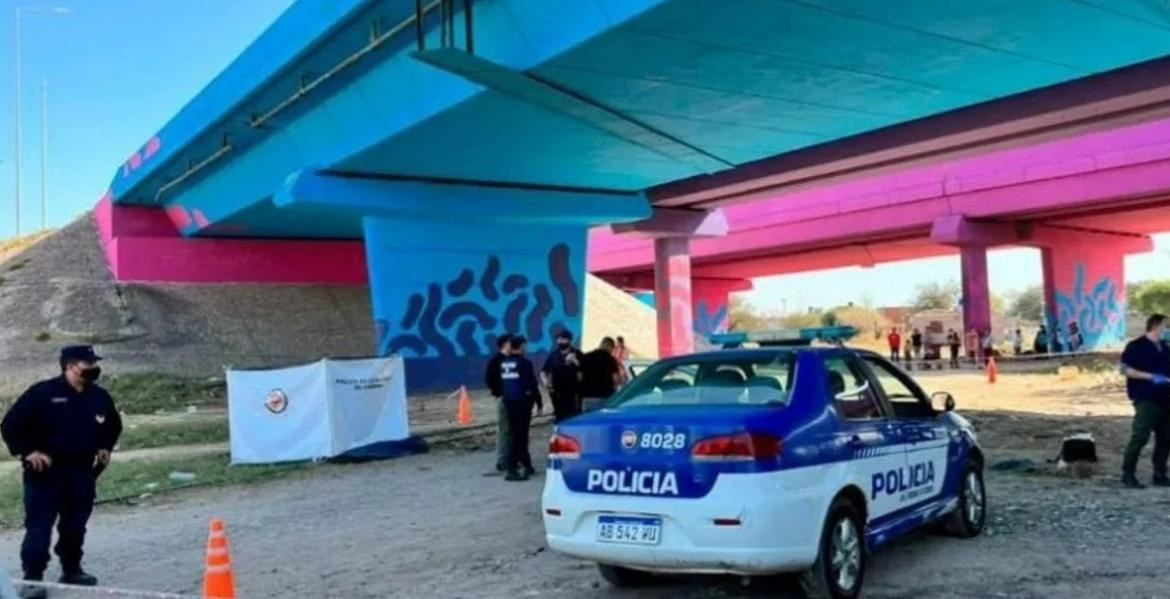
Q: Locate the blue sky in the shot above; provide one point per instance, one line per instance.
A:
(117, 70)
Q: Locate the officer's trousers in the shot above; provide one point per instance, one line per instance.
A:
(519, 419)
(63, 494)
(1150, 416)
(503, 439)
(565, 406)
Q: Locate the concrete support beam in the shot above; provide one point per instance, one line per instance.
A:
(672, 296)
(673, 222)
(956, 229)
(976, 292)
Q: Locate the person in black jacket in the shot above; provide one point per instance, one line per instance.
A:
(521, 392)
(491, 380)
(63, 429)
(562, 377)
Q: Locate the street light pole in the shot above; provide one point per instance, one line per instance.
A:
(16, 115)
(44, 154)
(16, 102)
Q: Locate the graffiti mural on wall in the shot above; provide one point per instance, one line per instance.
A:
(1098, 309)
(711, 318)
(463, 316)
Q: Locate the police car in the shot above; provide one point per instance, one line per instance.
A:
(756, 461)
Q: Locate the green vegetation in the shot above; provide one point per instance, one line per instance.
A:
(1028, 304)
(1150, 297)
(43, 336)
(127, 480)
(152, 392)
(937, 296)
(186, 432)
(17, 265)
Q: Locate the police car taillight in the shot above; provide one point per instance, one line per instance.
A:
(741, 447)
(564, 447)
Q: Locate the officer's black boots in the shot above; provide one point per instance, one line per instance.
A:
(28, 592)
(1131, 482)
(1161, 480)
(79, 577)
(514, 476)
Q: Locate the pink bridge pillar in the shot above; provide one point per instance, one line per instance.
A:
(671, 229)
(973, 238)
(1084, 283)
(672, 296)
(976, 292)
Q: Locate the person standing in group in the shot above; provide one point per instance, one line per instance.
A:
(1040, 343)
(916, 341)
(953, 342)
(521, 393)
(600, 375)
(1018, 342)
(895, 342)
(988, 346)
(971, 344)
(1146, 366)
(907, 354)
(562, 376)
(622, 354)
(491, 379)
(63, 429)
(1075, 340)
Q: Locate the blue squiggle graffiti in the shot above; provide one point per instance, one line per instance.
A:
(1097, 311)
(709, 321)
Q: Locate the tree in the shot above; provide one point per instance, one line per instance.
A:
(1152, 297)
(1028, 304)
(868, 321)
(802, 320)
(937, 296)
(744, 316)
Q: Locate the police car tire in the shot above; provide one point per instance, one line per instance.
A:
(624, 578)
(816, 582)
(958, 523)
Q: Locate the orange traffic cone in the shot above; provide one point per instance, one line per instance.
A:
(218, 582)
(992, 369)
(464, 407)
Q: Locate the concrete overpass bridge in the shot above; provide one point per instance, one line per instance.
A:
(1084, 201)
(454, 154)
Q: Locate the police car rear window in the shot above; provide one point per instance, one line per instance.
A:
(762, 381)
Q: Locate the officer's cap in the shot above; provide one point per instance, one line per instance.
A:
(78, 353)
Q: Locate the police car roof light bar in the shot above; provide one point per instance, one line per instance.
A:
(783, 336)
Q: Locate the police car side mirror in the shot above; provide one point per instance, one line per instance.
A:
(942, 397)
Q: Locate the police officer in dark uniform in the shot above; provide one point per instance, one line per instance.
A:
(63, 430)
(521, 392)
(562, 376)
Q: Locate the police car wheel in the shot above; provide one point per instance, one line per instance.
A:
(840, 566)
(968, 518)
(623, 577)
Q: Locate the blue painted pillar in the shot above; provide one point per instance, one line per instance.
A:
(453, 266)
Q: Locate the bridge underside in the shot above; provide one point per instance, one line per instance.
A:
(365, 135)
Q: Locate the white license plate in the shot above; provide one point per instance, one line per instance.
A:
(629, 530)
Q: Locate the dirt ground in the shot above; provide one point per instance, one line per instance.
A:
(433, 526)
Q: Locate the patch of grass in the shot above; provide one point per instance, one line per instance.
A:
(152, 392)
(145, 436)
(17, 266)
(126, 480)
(43, 336)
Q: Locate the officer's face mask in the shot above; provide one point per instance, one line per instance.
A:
(91, 374)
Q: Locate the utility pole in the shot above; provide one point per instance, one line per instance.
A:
(16, 115)
(44, 154)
